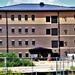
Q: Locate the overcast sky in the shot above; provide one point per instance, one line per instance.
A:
(53, 2)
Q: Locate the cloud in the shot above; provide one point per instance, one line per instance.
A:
(53, 2)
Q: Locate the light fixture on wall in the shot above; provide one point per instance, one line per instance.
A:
(65, 31)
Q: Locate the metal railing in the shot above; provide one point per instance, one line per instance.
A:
(35, 66)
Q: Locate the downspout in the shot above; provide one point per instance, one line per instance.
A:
(58, 34)
(7, 33)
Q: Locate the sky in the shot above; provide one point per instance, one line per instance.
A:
(70, 3)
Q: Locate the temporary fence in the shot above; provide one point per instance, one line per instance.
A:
(37, 66)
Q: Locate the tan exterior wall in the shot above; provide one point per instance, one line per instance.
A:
(67, 17)
(3, 46)
(66, 20)
(3, 20)
(39, 42)
(3, 33)
(68, 38)
(39, 29)
(40, 17)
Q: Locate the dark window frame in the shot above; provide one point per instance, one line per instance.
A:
(0, 17)
(1, 42)
(26, 17)
(26, 55)
(54, 31)
(47, 18)
(20, 55)
(0, 30)
(47, 31)
(20, 43)
(13, 43)
(26, 30)
(33, 17)
(54, 44)
(33, 42)
(26, 43)
(54, 19)
(74, 28)
(61, 43)
(74, 16)
(33, 30)
(19, 17)
(13, 30)
(20, 30)
(12, 17)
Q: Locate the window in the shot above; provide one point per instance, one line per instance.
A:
(74, 16)
(33, 30)
(33, 17)
(33, 42)
(55, 44)
(54, 31)
(19, 17)
(12, 17)
(20, 55)
(13, 30)
(26, 42)
(13, 43)
(47, 18)
(20, 30)
(54, 19)
(0, 17)
(26, 17)
(26, 54)
(48, 31)
(74, 28)
(61, 43)
(1, 42)
(74, 41)
(26, 30)
(0, 30)
(20, 43)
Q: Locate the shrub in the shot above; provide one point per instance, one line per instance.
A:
(72, 67)
(13, 61)
(49, 73)
(9, 72)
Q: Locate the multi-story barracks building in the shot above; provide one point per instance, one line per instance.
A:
(31, 26)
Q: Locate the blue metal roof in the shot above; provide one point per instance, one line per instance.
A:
(36, 7)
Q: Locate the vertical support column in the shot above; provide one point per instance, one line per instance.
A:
(60, 65)
(32, 65)
(5, 66)
(56, 67)
(36, 73)
(63, 66)
(72, 65)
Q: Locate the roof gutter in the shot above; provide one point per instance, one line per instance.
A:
(37, 10)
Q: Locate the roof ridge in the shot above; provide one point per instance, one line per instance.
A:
(33, 4)
(20, 4)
